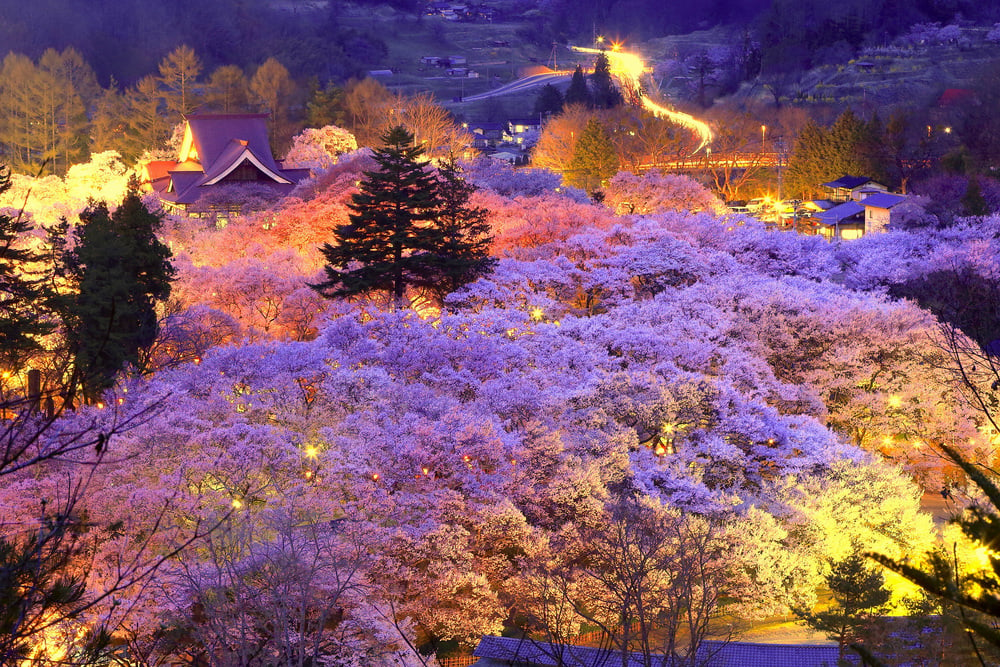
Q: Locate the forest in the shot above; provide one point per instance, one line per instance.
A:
(283, 475)
(585, 400)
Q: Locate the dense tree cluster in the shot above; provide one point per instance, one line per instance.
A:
(688, 386)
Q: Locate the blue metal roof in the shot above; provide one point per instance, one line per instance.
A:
(523, 651)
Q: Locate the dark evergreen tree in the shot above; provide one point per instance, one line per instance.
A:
(460, 250)
(594, 159)
(549, 101)
(578, 92)
(850, 146)
(973, 202)
(121, 270)
(976, 597)
(859, 595)
(23, 290)
(381, 248)
(604, 93)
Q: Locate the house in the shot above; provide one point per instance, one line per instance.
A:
(845, 221)
(848, 188)
(506, 156)
(878, 210)
(486, 135)
(219, 150)
(521, 129)
(517, 652)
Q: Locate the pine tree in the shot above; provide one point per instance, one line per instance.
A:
(120, 270)
(578, 92)
(23, 297)
(459, 252)
(604, 94)
(380, 248)
(594, 158)
(859, 594)
(978, 596)
(973, 202)
(549, 101)
(411, 227)
(178, 73)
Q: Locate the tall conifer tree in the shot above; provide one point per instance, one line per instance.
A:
(578, 92)
(594, 158)
(23, 296)
(411, 227)
(460, 249)
(379, 249)
(121, 271)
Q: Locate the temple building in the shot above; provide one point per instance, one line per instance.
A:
(219, 150)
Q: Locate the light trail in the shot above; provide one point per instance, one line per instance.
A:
(628, 68)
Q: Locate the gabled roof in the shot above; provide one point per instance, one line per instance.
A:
(533, 120)
(487, 126)
(717, 654)
(211, 135)
(848, 182)
(818, 204)
(838, 214)
(882, 200)
(214, 146)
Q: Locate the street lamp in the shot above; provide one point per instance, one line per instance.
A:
(763, 131)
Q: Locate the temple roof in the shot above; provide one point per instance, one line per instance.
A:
(214, 146)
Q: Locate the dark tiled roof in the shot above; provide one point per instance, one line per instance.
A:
(745, 654)
(714, 653)
(840, 213)
(848, 182)
(525, 121)
(223, 142)
(883, 200)
(213, 134)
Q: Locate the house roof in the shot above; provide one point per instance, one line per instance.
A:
(848, 182)
(214, 146)
(212, 134)
(486, 126)
(818, 204)
(882, 200)
(718, 654)
(839, 213)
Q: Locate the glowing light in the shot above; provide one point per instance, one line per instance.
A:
(668, 428)
(100, 405)
(895, 401)
(120, 400)
(467, 458)
(660, 449)
(628, 68)
(312, 452)
(237, 504)
(537, 314)
(425, 470)
(375, 476)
